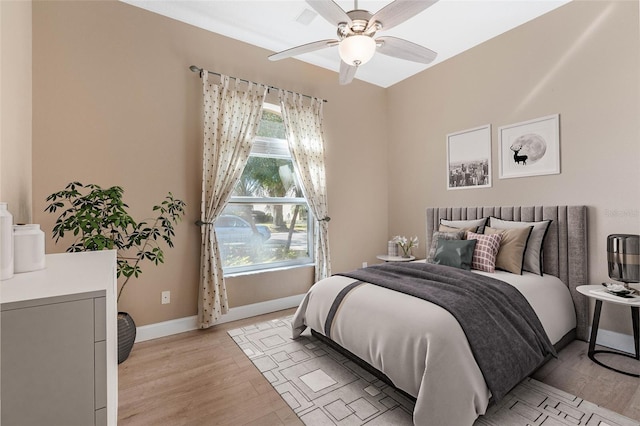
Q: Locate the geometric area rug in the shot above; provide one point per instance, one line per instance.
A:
(323, 387)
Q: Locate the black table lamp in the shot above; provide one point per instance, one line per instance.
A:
(623, 256)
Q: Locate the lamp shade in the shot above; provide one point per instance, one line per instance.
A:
(623, 256)
(357, 50)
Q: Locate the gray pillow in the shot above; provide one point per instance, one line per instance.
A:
(471, 223)
(437, 235)
(445, 228)
(533, 252)
(456, 253)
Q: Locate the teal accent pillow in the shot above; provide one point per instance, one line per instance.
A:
(437, 235)
(456, 253)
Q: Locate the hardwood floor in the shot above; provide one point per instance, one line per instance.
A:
(198, 378)
(575, 373)
(202, 378)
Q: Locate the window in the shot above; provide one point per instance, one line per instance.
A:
(267, 223)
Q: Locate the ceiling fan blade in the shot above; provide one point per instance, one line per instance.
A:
(404, 49)
(330, 11)
(399, 11)
(347, 72)
(305, 48)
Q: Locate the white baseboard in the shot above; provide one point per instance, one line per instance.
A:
(180, 325)
(611, 339)
(618, 341)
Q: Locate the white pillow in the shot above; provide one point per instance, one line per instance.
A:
(533, 253)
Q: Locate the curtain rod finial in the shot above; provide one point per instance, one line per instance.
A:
(195, 69)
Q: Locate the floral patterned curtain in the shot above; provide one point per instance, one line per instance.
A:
(303, 127)
(231, 119)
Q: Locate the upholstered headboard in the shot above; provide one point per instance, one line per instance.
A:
(564, 249)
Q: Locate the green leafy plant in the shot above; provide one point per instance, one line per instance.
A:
(98, 220)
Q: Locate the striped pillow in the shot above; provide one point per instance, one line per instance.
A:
(484, 255)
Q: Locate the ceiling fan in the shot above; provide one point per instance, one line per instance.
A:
(356, 31)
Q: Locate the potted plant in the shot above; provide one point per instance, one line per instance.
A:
(98, 219)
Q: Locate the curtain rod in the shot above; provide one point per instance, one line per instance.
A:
(200, 70)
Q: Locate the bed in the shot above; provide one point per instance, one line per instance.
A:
(420, 345)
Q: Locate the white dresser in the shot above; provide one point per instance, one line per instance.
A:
(59, 361)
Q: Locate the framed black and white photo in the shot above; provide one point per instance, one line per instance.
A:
(530, 148)
(469, 158)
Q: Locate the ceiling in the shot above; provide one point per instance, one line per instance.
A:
(449, 27)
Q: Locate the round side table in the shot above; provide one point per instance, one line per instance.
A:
(388, 258)
(597, 292)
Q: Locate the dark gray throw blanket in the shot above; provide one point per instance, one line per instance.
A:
(504, 333)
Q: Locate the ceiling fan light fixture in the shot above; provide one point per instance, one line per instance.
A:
(357, 49)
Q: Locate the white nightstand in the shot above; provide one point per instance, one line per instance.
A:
(597, 292)
(388, 258)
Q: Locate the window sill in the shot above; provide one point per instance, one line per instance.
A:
(268, 270)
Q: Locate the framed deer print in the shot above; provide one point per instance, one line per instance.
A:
(530, 148)
(469, 158)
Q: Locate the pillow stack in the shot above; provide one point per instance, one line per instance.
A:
(491, 243)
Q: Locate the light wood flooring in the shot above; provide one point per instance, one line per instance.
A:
(202, 378)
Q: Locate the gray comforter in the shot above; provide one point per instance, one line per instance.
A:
(504, 333)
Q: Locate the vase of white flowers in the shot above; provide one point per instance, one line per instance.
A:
(406, 244)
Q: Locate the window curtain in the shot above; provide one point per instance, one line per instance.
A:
(303, 127)
(231, 119)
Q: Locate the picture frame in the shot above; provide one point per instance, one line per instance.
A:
(529, 148)
(469, 158)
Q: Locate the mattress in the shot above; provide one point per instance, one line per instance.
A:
(420, 346)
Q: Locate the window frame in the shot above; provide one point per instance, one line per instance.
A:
(245, 200)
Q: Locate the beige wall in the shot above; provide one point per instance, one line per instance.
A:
(581, 61)
(15, 108)
(114, 103)
(117, 105)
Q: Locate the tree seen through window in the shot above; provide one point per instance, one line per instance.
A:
(267, 205)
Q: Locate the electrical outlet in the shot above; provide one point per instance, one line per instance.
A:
(166, 297)
(365, 264)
